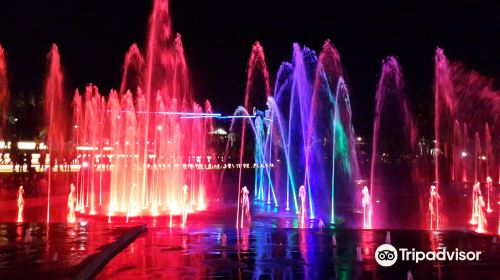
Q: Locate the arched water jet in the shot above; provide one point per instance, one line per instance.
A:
(257, 68)
(394, 133)
(132, 69)
(4, 90)
(54, 111)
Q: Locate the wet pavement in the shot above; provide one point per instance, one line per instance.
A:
(51, 251)
(210, 247)
(265, 251)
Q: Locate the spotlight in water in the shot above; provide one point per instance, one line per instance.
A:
(464, 154)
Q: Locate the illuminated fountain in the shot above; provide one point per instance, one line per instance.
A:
(4, 90)
(434, 208)
(367, 208)
(498, 219)
(141, 146)
(489, 188)
(71, 204)
(151, 134)
(481, 216)
(476, 192)
(302, 133)
(458, 94)
(394, 138)
(54, 112)
(302, 209)
(20, 204)
(245, 218)
(185, 205)
(289, 141)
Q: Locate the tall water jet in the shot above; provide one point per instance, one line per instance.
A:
(132, 69)
(394, 139)
(257, 84)
(54, 112)
(302, 210)
(477, 156)
(245, 207)
(72, 204)
(481, 216)
(457, 95)
(20, 204)
(185, 205)
(4, 90)
(488, 154)
(444, 109)
(489, 189)
(434, 208)
(291, 135)
(367, 208)
(329, 88)
(150, 135)
(476, 192)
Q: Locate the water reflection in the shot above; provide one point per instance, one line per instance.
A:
(28, 250)
(276, 253)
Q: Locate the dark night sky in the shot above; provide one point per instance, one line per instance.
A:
(217, 36)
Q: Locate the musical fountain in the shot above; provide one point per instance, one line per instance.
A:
(144, 150)
(143, 154)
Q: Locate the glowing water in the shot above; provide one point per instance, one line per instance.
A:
(481, 216)
(150, 135)
(476, 192)
(72, 204)
(434, 208)
(245, 218)
(302, 210)
(54, 112)
(489, 188)
(291, 134)
(4, 89)
(185, 205)
(394, 135)
(20, 204)
(367, 208)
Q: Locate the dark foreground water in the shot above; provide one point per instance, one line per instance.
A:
(270, 249)
(52, 250)
(267, 252)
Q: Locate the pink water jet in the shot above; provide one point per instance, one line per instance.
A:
(71, 218)
(476, 192)
(394, 133)
(143, 146)
(132, 67)
(245, 218)
(302, 209)
(185, 205)
(434, 208)
(54, 112)
(4, 90)
(367, 208)
(444, 105)
(458, 94)
(20, 204)
(257, 80)
(489, 189)
(481, 216)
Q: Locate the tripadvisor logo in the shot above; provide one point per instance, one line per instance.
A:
(387, 255)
